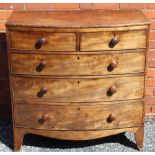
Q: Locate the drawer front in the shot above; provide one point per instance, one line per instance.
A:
(113, 40)
(77, 90)
(43, 41)
(75, 117)
(105, 64)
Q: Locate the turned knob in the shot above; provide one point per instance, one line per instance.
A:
(43, 119)
(114, 41)
(113, 64)
(40, 43)
(111, 118)
(41, 66)
(112, 90)
(42, 92)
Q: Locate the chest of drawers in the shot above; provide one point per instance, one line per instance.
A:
(77, 75)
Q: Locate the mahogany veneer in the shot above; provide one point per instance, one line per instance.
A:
(77, 75)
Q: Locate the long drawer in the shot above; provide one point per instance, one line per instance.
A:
(28, 40)
(113, 40)
(81, 64)
(77, 90)
(75, 117)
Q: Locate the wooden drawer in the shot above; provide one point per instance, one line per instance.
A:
(96, 64)
(121, 40)
(42, 41)
(77, 90)
(75, 117)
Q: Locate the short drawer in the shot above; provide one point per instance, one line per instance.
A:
(113, 40)
(42, 41)
(77, 90)
(90, 64)
(75, 117)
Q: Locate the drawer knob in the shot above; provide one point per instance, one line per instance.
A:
(112, 90)
(114, 41)
(43, 119)
(41, 66)
(40, 43)
(111, 118)
(42, 92)
(113, 64)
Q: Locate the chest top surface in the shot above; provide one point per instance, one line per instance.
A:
(77, 18)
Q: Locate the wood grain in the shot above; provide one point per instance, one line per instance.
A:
(90, 29)
(18, 137)
(77, 90)
(139, 137)
(67, 135)
(74, 96)
(77, 117)
(77, 18)
(76, 135)
(100, 40)
(55, 41)
(77, 64)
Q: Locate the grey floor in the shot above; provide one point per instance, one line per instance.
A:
(121, 142)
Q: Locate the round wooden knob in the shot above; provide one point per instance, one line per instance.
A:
(114, 41)
(113, 64)
(41, 66)
(45, 117)
(111, 117)
(112, 89)
(40, 43)
(42, 92)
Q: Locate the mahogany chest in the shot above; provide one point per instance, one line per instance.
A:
(77, 75)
